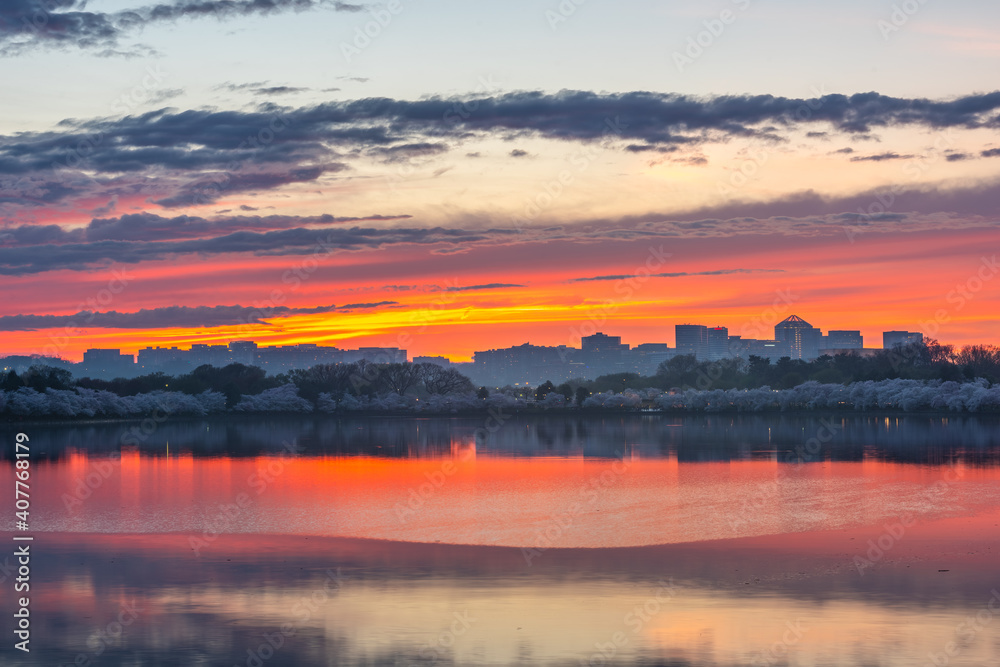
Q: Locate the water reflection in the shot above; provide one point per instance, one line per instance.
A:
(697, 438)
(344, 602)
(626, 540)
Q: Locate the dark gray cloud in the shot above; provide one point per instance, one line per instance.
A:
(170, 316)
(26, 24)
(174, 157)
(262, 88)
(280, 90)
(37, 250)
(881, 157)
(517, 152)
(992, 152)
(148, 227)
(957, 157)
(679, 274)
(208, 190)
(405, 152)
(895, 199)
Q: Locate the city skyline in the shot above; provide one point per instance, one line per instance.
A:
(597, 354)
(195, 187)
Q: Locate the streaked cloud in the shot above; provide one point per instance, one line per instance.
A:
(26, 24)
(171, 317)
(679, 274)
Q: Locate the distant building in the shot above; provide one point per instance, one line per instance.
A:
(376, 355)
(212, 355)
(891, 339)
(281, 358)
(603, 354)
(802, 338)
(843, 340)
(526, 364)
(163, 359)
(444, 362)
(739, 346)
(691, 339)
(106, 364)
(243, 352)
(768, 349)
(716, 343)
(647, 357)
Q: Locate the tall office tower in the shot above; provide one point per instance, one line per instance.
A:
(603, 354)
(716, 343)
(107, 364)
(602, 343)
(691, 339)
(844, 340)
(243, 352)
(891, 339)
(802, 338)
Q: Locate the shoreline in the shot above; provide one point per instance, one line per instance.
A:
(492, 412)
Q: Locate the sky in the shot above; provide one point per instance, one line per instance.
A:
(449, 177)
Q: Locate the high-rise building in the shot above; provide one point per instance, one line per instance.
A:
(891, 339)
(243, 352)
(647, 357)
(691, 339)
(107, 364)
(599, 343)
(603, 354)
(165, 359)
(716, 343)
(527, 363)
(767, 349)
(803, 339)
(739, 346)
(843, 340)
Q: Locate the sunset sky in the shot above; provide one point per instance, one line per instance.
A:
(456, 176)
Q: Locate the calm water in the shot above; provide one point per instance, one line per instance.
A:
(536, 541)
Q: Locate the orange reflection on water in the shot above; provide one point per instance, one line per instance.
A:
(484, 499)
